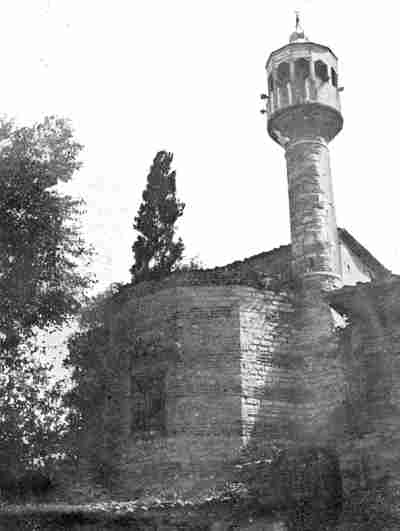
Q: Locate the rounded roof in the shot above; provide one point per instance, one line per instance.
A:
(297, 35)
(299, 42)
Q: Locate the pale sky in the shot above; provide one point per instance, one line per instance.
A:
(136, 77)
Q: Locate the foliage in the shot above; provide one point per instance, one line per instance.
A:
(96, 350)
(88, 357)
(193, 264)
(32, 483)
(32, 419)
(40, 243)
(41, 286)
(155, 251)
(87, 352)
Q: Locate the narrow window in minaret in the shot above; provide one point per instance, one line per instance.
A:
(301, 73)
(270, 84)
(321, 71)
(283, 83)
(334, 77)
(271, 102)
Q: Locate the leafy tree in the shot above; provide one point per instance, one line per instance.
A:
(88, 350)
(155, 251)
(32, 418)
(41, 282)
(192, 264)
(40, 244)
(94, 355)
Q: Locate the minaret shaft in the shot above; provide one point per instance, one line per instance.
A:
(315, 246)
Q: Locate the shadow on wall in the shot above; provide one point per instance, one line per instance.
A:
(308, 485)
(297, 467)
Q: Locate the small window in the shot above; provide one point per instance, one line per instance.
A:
(148, 402)
(270, 83)
(321, 71)
(334, 77)
(311, 263)
(348, 267)
(283, 74)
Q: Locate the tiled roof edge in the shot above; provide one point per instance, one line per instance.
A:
(361, 252)
(263, 254)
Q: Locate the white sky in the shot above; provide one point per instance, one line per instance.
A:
(136, 77)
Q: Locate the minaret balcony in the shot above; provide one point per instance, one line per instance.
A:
(308, 91)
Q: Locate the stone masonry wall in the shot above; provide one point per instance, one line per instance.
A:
(149, 347)
(320, 368)
(292, 369)
(247, 371)
(267, 376)
(226, 360)
(200, 328)
(250, 371)
(207, 384)
(370, 345)
(304, 388)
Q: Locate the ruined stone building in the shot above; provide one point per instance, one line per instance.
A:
(296, 347)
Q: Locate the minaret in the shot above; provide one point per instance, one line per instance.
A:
(303, 110)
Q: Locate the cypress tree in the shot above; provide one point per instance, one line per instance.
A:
(156, 253)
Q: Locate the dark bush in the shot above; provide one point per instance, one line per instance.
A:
(9, 485)
(32, 483)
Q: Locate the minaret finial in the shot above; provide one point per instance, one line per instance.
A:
(297, 21)
(298, 33)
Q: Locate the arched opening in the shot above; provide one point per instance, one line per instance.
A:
(321, 71)
(301, 74)
(283, 82)
(302, 68)
(283, 74)
(270, 84)
(334, 77)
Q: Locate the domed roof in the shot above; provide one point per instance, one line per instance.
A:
(298, 36)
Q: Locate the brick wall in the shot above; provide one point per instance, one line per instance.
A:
(371, 414)
(199, 327)
(247, 371)
(228, 381)
(321, 369)
(267, 374)
(207, 384)
(250, 371)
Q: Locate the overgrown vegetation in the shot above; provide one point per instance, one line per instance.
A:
(41, 287)
(40, 242)
(89, 358)
(97, 351)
